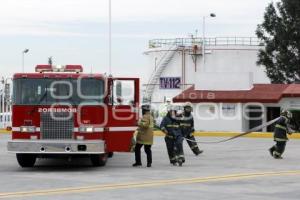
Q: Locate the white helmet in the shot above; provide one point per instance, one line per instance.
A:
(168, 100)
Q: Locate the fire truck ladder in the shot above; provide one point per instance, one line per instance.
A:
(161, 66)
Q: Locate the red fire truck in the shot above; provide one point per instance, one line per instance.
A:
(60, 111)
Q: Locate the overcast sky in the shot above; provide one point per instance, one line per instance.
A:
(75, 31)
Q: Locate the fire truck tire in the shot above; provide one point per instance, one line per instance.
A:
(99, 160)
(26, 160)
(110, 154)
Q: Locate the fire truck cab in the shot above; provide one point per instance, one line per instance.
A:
(60, 111)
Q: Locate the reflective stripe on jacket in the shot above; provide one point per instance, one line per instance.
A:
(187, 125)
(170, 127)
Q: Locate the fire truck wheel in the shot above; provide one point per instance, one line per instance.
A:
(99, 160)
(26, 160)
(110, 154)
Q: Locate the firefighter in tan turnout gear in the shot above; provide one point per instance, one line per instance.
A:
(144, 137)
(171, 127)
(187, 127)
(280, 134)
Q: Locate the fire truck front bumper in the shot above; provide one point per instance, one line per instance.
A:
(56, 146)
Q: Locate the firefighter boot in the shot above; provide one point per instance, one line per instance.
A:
(277, 155)
(271, 150)
(173, 160)
(137, 164)
(180, 162)
(198, 151)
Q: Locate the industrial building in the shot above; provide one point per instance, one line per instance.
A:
(220, 77)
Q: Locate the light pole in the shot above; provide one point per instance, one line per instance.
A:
(109, 37)
(23, 55)
(203, 38)
(2, 98)
(5, 96)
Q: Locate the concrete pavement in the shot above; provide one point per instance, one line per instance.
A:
(240, 169)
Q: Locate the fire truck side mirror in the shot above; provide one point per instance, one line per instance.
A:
(119, 89)
(110, 100)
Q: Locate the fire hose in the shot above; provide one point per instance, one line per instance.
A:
(236, 136)
(255, 129)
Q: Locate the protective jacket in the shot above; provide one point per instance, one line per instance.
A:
(281, 129)
(171, 127)
(187, 125)
(145, 130)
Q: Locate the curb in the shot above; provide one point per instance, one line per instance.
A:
(213, 134)
(4, 131)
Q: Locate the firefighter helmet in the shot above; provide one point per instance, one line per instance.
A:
(172, 107)
(146, 107)
(172, 111)
(287, 113)
(168, 100)
(188, 107)
(187, 104)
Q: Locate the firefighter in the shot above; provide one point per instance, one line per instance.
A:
(144, 137)
(171, 127)
(162, 111)
(280, 134)
(187, 127)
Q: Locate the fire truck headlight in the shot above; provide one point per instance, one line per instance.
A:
(86, 129)
(33, 137)
(27, 129)
(80, 137)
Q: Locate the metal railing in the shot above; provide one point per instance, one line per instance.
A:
(217, 41)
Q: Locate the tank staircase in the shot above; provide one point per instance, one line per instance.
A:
(156, 74)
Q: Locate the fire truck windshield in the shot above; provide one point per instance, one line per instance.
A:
(49, 91)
